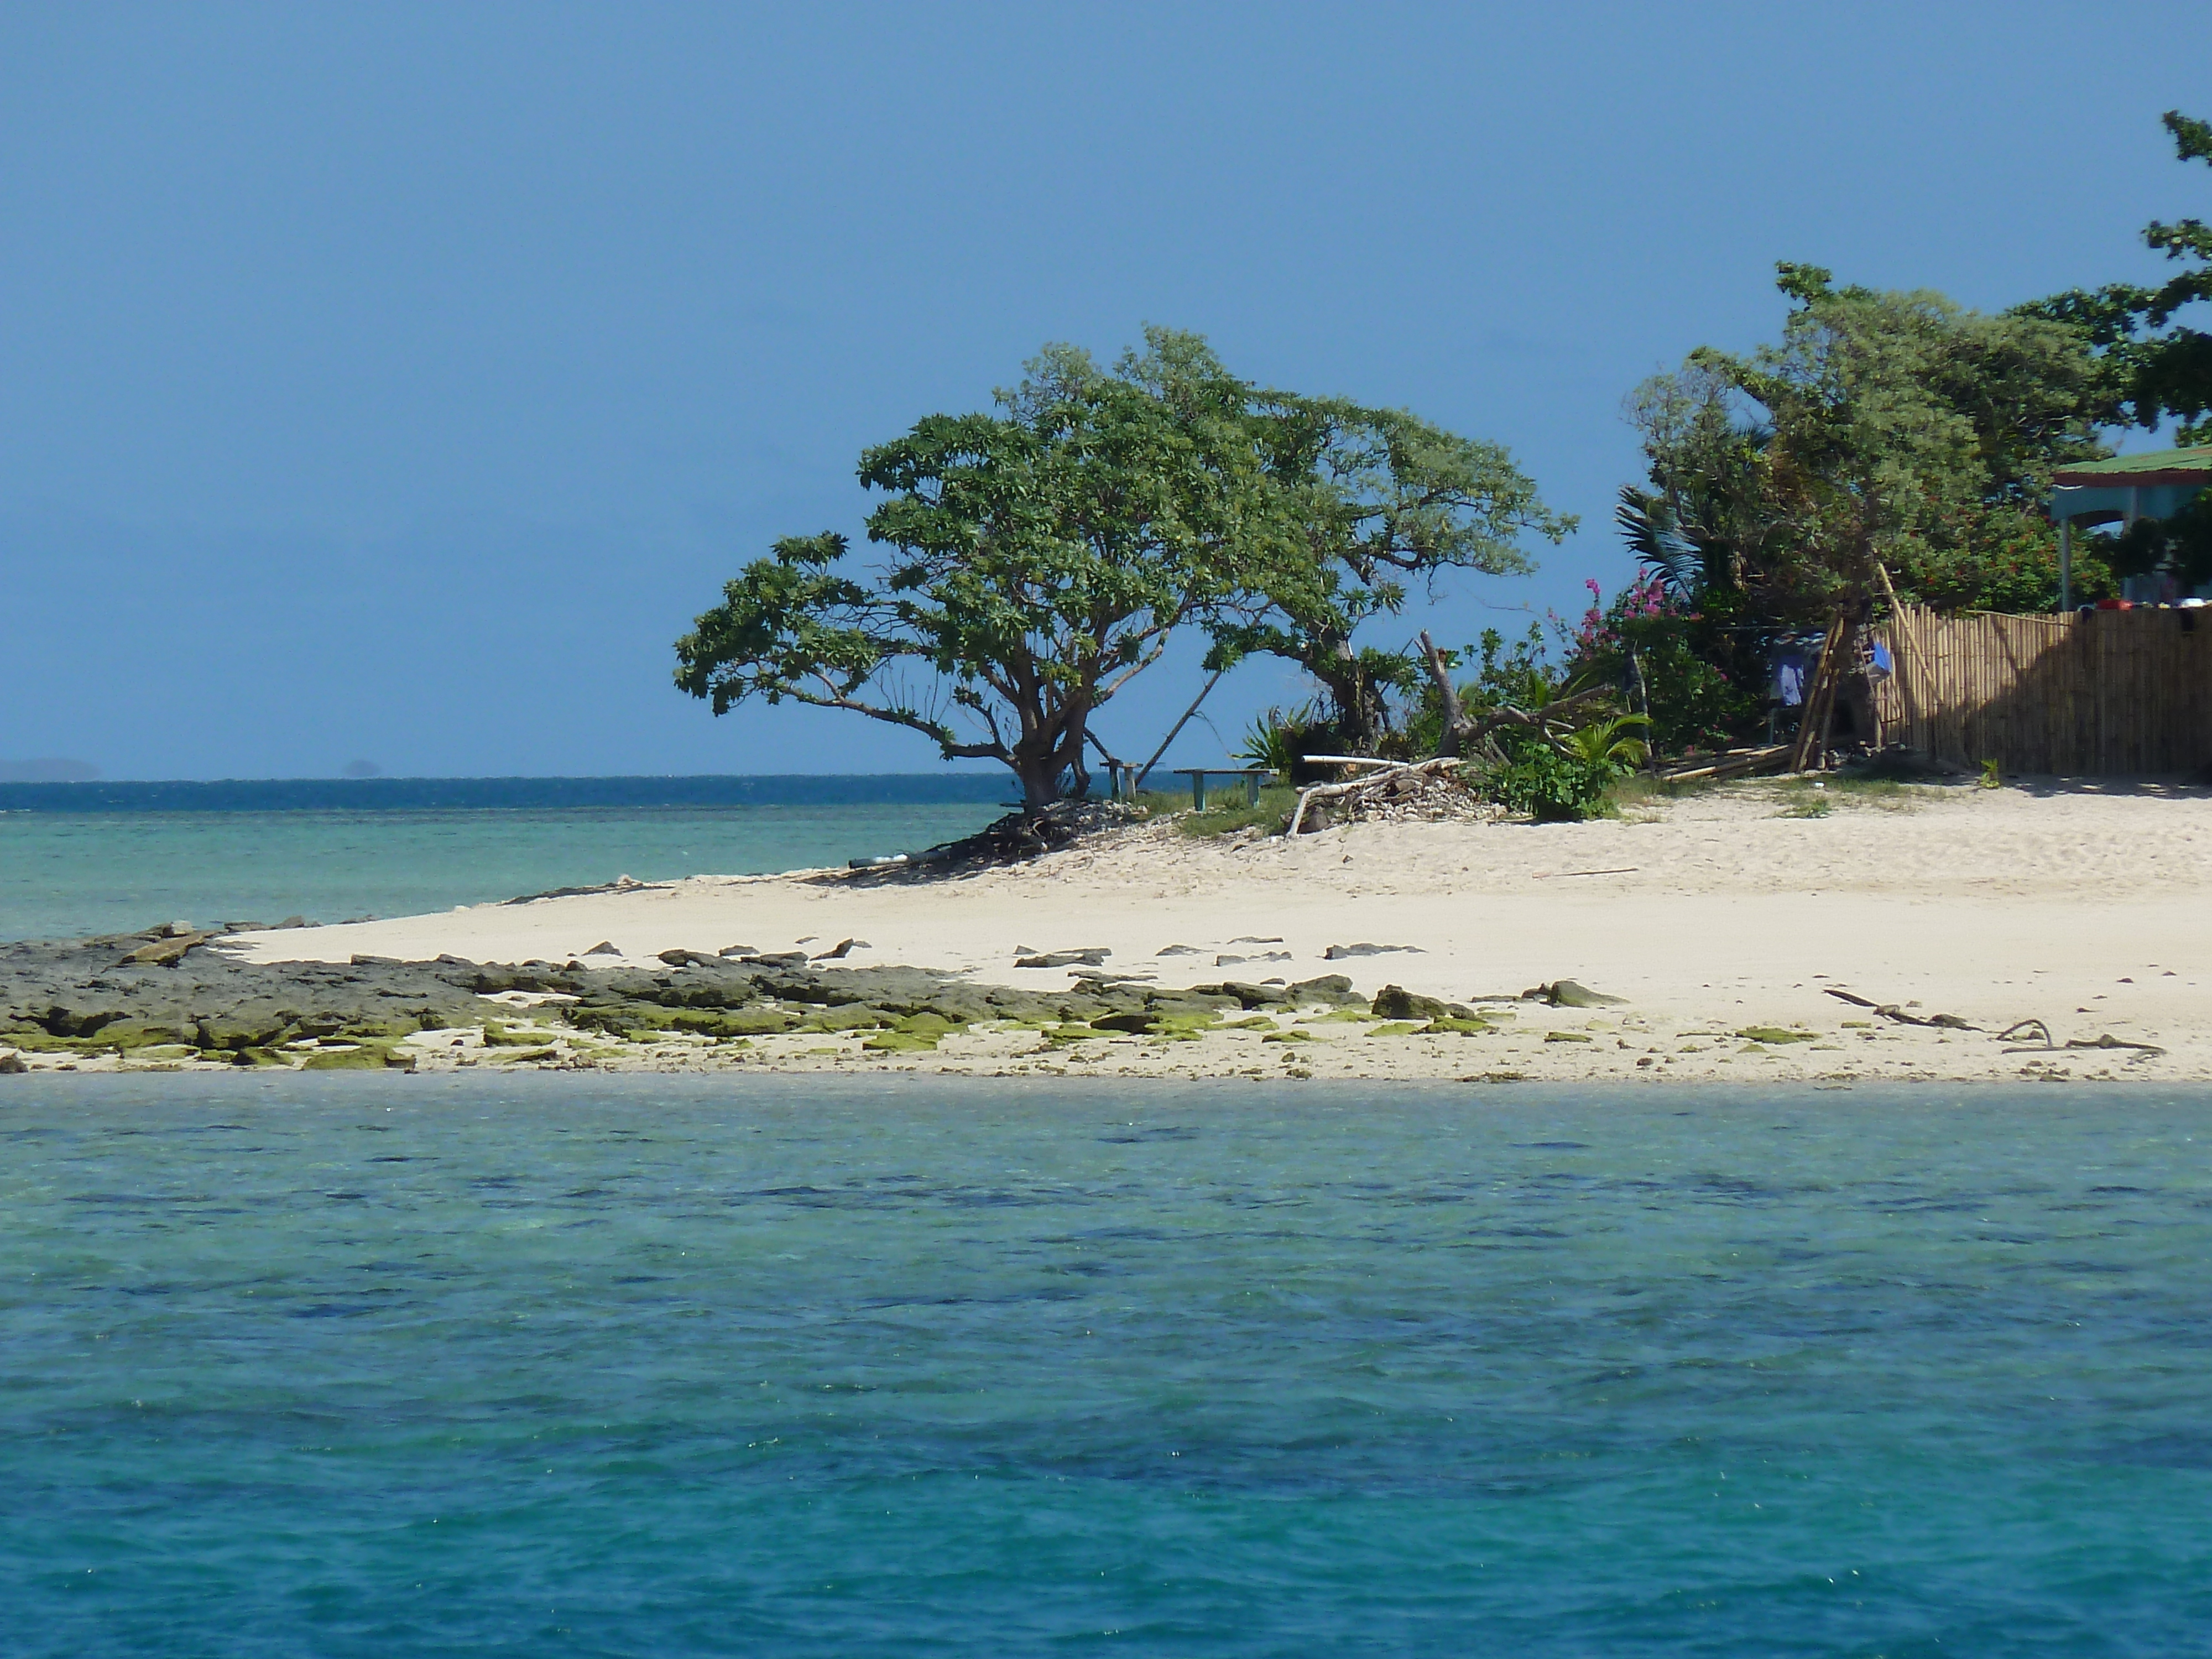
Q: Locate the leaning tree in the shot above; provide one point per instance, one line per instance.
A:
(1379, 498)
(1038, 560)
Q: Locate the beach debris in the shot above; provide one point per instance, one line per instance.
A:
(1890, 1010)
(1562, 875)
(604, 948)
(1731, 763)
(739, 950)
(2048, 1046)
(1088, 956)
(1566, 994)
(1430, 789)
(2108, 1041)
(1339, 952)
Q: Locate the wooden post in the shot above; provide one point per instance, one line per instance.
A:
(1820, 700)
(1898, 628)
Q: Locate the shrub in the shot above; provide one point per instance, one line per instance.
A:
(1549, 786)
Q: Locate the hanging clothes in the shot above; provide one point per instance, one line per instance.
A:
(1794, 662)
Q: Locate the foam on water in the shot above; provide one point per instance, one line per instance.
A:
(383, 1366)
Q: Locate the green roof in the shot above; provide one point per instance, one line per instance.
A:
(2172, 464)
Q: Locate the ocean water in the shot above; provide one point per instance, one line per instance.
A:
(83, 859)
(396, 1366)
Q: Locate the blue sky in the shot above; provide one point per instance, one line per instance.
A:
(396, 382)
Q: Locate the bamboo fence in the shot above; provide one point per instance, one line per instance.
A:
(2113, 693)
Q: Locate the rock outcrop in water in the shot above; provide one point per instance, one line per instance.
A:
(113, 994)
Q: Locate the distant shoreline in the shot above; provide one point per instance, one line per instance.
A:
(540, 793)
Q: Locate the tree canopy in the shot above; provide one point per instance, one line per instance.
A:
(1039, 558)
(1040, 555)
(2158, 368)
(1380, 497)
(1890, 429)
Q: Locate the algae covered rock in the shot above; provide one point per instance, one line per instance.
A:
(1572, 994)
(1396, 1002)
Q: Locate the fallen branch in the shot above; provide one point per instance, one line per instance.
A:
(2107, 1040)
(1392, 771)
(1890, 1010)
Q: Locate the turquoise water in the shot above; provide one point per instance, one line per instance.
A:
(71, 874)
(579, 1365)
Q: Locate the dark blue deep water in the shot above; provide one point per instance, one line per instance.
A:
(384, 1366)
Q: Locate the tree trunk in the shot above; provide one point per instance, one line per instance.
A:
(1357, 722)
(1040, 778)
(1459, 725)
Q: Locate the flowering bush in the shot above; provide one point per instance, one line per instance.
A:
(1670, 660)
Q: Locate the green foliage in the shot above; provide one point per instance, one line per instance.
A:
(2154, 369)
(1039, 558)
(1888, 427)
(2180, 542)
(2011, 564)
(1282, 741)
(1702, 679)
(1381, 498)
(1611, 742)
(1506, 675)
(1042, 556)
(1225, 811)
(1549, 785)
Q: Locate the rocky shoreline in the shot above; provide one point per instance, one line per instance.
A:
(170, 999)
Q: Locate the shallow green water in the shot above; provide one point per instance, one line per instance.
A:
(68, 875)
(385, 1366)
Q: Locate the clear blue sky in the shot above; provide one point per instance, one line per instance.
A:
(395, 382)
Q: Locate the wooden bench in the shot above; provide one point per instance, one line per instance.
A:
(1253, 777)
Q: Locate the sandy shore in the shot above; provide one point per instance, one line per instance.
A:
(1711, 916)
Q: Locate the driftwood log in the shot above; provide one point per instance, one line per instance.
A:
(1472, 733)
(1375, 782)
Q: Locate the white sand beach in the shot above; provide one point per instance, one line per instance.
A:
(2085, 908)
